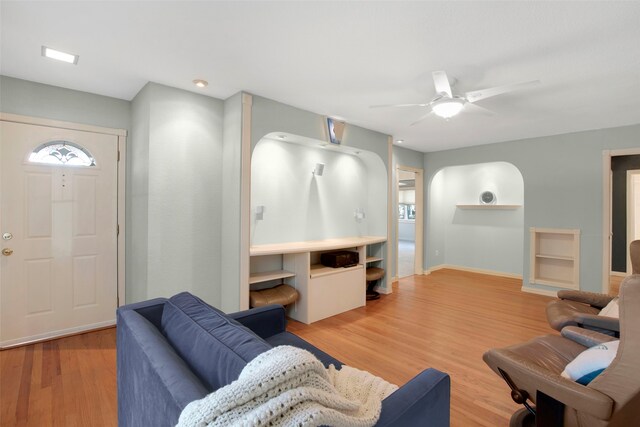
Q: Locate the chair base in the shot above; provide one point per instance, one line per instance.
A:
(522, 418)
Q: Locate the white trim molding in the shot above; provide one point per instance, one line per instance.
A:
(545, 292)
(39, 121)
(56, 334)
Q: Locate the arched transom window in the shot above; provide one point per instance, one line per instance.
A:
(62, 153)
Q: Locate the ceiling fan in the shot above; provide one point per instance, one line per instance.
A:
(446, 104)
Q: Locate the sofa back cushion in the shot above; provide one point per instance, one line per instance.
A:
(215, 346)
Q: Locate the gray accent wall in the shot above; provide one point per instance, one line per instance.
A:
(562, 189)
(177, 177)
(39, 100)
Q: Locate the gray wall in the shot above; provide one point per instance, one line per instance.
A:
(39, 100)
(181, 168)
(562, 188)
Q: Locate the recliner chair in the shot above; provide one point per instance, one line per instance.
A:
(612, 399)
(580, 308)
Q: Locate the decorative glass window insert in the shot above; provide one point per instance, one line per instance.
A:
(63, 153)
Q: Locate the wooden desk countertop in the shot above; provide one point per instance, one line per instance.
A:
(314, 245)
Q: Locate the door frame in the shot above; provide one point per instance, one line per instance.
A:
(419, 178)
(606, 210)
(631, 212)
(121, 184)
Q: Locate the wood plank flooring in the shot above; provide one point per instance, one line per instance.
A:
(446, 320)
(66, 382)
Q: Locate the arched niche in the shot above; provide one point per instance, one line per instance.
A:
(298, 205)
(465, 234)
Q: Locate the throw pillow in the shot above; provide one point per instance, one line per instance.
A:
(591, 362)
(612, 309)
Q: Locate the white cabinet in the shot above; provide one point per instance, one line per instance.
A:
(555, 257)
(324, 291)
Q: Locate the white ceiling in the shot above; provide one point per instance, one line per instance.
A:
(337, 58)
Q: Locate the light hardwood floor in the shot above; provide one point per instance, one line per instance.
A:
(446, 320)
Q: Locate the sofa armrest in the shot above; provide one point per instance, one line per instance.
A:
(264, 321)
(591, 298)
(425, 397)
(154, 383)
(601, 322)
(585, 337)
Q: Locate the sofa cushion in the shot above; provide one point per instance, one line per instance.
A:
(287, 338)
(215, 346)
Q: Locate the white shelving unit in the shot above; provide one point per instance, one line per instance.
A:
(324, 291)
(555, 257)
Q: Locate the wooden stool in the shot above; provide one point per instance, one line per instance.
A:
(281, 294)
(373, 275)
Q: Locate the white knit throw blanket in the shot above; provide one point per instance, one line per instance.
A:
(288, 386)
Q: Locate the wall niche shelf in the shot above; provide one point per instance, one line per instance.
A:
(324, 291)
(269, 275)
(489, 207)
(555, 257)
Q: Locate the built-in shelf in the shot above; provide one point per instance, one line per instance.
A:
(314, 245)
(560, 257)
(555, 257)
(319, 270)
(323, 291)
(269, 275)
(489, 207)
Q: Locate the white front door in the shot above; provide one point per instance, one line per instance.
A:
(58, 225)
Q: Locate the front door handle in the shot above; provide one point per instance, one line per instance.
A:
(7, 251)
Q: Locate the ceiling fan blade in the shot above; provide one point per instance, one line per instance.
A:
(441, 82)
(397, 105)
(421, 118)
(474, 108)
(477, 95)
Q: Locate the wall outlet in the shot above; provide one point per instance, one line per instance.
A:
(437, 252)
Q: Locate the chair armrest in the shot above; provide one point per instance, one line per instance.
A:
(532, 377)
(425, 397)
(585, 337)
(264, 321)
(591, 298)
(600, 322)
(154, 383)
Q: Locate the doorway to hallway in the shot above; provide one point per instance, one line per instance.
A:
(409, 224)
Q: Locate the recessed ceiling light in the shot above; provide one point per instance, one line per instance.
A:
(60, 56)
(200, 83)
(399, 141)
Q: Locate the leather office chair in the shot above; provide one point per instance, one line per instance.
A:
(533, 370)
(579, 308)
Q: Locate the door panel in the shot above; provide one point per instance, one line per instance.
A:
(62, 274)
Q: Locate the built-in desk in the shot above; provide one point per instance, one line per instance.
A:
(324, 291)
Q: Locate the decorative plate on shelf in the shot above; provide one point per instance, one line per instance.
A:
(488, 198)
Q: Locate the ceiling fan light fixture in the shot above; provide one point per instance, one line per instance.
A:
(447, 107)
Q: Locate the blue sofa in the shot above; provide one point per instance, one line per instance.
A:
(173, 351)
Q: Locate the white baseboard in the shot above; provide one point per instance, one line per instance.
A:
(385, 291)
(618, 274)
(545, 292)
(473, 270)
(55, 334)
